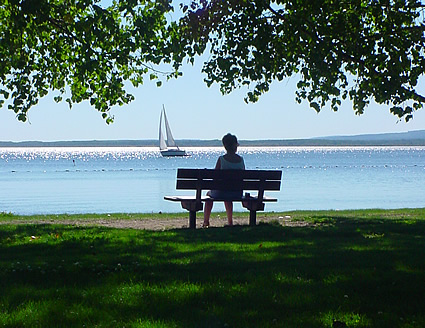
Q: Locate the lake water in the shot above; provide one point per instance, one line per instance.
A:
(113, 180)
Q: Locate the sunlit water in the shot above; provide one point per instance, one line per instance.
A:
(110, 180)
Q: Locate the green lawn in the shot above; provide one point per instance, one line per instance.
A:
(358, 268)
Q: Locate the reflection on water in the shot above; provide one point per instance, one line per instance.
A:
(135, 179)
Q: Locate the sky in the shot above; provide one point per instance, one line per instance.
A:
(197, 112)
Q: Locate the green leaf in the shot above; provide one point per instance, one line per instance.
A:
(315, 105)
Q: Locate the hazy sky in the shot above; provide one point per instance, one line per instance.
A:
(198, 112)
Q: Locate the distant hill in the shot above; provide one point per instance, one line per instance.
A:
(411, 135)
(411, 138)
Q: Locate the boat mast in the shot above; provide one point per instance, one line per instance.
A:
(162, 144)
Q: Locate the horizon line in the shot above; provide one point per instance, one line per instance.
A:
(217, 139)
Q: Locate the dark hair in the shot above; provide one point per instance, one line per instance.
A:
(230, 141)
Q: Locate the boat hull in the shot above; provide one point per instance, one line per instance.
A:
(173, 153)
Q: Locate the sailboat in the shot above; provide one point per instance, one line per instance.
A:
(168, 147)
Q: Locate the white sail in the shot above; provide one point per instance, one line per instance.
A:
(170, 139)
(162, 144)
(168, 146)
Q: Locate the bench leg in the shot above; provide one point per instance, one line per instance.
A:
(192, 219)
(252, 218)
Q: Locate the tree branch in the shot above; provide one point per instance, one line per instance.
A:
(57, 24)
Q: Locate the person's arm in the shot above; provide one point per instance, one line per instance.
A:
(218, 164)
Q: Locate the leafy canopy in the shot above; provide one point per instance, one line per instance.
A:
(360, 50)
(78, 48)
(355, 49)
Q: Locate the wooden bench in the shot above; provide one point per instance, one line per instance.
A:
(229, 180)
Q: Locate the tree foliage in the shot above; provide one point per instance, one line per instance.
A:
(341, 49)
(360, 50)
(79, 49)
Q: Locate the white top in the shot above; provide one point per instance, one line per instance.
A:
(226, 165)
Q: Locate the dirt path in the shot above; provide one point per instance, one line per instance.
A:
(156, 224)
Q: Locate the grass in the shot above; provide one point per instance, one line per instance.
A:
(351, 268)
(5, 217)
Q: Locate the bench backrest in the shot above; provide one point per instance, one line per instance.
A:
(203, 179)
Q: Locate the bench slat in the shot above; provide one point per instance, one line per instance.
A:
(204, 198)
(233, 174)
(227, 185)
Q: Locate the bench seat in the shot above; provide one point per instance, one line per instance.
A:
(206, 198)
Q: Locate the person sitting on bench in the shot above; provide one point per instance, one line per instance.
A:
(229, 161)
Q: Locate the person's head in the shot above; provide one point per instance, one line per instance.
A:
(230, 142)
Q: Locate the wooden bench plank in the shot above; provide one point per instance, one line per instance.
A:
(206, 198)
(246, 174)
(227, 185)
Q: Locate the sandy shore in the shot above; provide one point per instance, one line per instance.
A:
(157, 224)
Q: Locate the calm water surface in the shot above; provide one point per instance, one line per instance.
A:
(110, 180)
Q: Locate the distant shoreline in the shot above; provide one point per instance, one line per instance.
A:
(412, 138)
(215, 143)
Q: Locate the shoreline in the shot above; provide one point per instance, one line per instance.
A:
(409, 138)
(217, 143)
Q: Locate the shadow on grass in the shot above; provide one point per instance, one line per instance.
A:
(361, 272)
